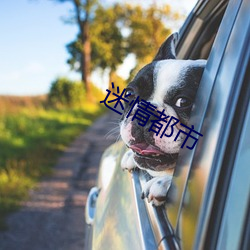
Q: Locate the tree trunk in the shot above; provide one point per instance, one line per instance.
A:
(111, 78)
(86, 58)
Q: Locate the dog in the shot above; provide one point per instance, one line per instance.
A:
(170, 84)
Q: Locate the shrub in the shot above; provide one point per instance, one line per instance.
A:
(65, 92)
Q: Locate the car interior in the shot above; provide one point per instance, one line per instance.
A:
(205, 22)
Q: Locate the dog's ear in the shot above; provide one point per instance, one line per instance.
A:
(167, 49)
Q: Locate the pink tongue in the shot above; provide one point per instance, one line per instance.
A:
(145, 149)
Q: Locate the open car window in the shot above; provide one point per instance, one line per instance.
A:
(206, 86)
(198, 33)
(210, 28)
(196, 41)
(197, 177)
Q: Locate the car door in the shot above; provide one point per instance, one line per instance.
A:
(205, 180)
(122, 219)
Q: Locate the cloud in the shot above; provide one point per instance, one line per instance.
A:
(23, 80)
(34, 67)
(31, 68)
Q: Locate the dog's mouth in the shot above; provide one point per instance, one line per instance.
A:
(150, 157)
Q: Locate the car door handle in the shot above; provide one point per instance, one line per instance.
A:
(91, 205)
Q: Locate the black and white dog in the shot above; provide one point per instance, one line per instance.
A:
(170, 84)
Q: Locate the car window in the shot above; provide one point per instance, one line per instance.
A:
(204, 23)
(178, 222)
(198, 34)
(203, 95)
(235, 211)
(213, 114)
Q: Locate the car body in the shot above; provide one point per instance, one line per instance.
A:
(209, 198)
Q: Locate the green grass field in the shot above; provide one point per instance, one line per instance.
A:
(31, 139)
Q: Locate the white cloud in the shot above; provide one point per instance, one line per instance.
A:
(27, 79)
(32, 68)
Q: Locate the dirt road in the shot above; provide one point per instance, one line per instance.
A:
(53, 218)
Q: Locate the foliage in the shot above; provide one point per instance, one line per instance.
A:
(66, 93)
(119, 81)
(119, 30)
(31, 138)
(97, 94)
(147, 31)
(13, 104)
(108, 46)
(74, 49)
(82, 15)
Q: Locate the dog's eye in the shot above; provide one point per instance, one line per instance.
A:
(129, 93)
(183, 102)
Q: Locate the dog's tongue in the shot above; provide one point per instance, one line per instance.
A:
(145, 149)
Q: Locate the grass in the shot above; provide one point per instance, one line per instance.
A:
(31, 139)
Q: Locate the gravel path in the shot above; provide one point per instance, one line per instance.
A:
(53, 218)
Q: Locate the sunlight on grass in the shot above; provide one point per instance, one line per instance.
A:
(14, 188)
(31, 139)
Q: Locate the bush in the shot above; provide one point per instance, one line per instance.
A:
(66, 93)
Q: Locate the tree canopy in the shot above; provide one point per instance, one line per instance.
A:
(82, 15)
(108, 34)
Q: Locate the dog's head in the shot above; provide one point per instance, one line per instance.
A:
(169, 84)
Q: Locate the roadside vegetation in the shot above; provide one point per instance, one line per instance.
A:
(34, 131)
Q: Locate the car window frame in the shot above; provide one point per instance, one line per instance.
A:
(232, 179)
(203, 94)
(239, 109)
(162, 227)
(209, 76)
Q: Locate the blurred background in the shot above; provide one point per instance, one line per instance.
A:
(57, 59)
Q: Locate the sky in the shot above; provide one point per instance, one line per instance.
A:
(32, 45)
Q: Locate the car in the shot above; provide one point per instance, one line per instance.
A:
(208, 202)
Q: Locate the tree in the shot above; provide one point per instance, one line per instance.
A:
(119, 30)
(83, 15)
(108, 44)
(148, 32)
(108, 48)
